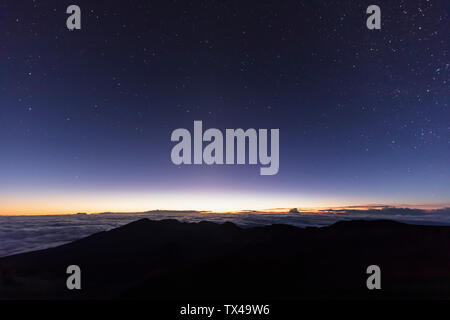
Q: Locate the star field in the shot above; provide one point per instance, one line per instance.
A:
(363, 114)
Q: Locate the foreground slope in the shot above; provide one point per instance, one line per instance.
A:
(169, 259)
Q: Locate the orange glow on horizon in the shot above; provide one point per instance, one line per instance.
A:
(60, 206)
(71, 202)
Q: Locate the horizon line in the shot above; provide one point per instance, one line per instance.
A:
(285, 210)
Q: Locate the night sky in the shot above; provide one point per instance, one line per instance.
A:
(86, 115)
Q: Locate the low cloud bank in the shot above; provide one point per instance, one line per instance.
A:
(27, 233)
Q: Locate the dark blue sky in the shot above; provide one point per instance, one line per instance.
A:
(86, 115)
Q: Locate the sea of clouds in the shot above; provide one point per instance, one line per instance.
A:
(28, 233)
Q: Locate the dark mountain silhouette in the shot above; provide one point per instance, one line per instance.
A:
(169, 259)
